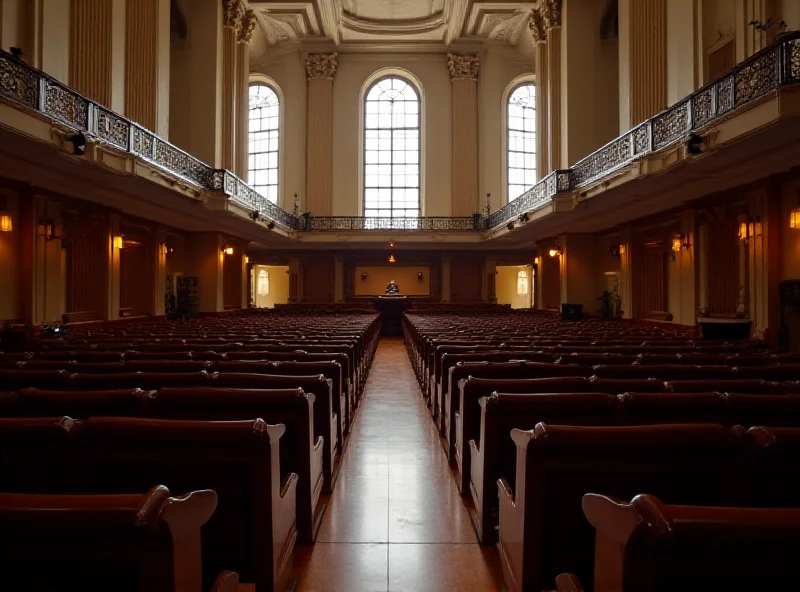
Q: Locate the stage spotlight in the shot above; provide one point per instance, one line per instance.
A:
(694, 144)
(255, 215)
(510, 225)
(271, 224)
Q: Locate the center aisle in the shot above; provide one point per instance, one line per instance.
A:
(395, 520)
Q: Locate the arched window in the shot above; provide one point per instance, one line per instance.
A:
(263, 141)
(522, 282)
(521, 140)
(263, 283)
(392, 149)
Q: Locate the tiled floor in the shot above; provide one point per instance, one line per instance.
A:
(395, 520)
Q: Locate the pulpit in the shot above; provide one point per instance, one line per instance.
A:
(391, 306)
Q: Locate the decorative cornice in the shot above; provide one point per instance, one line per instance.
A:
(321, 66)
(551, 13)
(536, 25)
(463, 67)
(246, 26)
(232, 13)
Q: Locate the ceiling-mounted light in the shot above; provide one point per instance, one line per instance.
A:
(255, 215)
(6, 222)
(510, 225)
(271, 224)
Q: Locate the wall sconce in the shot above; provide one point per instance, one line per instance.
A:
(622, 249)
(536, 260)
(47, 229)
(794, 219)
(748, 227)
(615, 251)
(247, 259)
(363, 276)
(679, 242)
(554, 251)
(227, 250)
(6, 223)
(420, 276)
(391, 244)
(392, 259)
(117, 241)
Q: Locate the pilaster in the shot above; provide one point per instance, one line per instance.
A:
(643, 60)
(40, 262)
(339, 280)
(539, 34)
(206, 263)
(244, 35)
(447, 283)
(464, 78)
(147, 57)
(320, 71)
(97, 50)
(160, 282)
(231, 21)
(627, 241)
(113, 269)
(551, 18)
(578, 264)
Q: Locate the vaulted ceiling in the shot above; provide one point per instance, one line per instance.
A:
(391, 22)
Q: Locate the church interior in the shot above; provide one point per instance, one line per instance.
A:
(399, 295)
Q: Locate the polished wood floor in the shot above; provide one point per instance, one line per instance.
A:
(395, 520)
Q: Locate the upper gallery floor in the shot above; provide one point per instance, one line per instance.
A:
(413, 119)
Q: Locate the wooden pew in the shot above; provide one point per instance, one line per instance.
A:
(83, 543)
(647, 545)
(253, 531)
(542, 530)
(493, 455)
(325, 421)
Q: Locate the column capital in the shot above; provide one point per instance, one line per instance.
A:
(463, 67)
(551, 13)
(246, 26)
(321, 66)
(232, 11)
(537, 27)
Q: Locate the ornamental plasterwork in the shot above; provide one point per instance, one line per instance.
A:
(232, 11)
(536, 25)
(321, 66)
(246, 26)
(463, 67)
(551, 13)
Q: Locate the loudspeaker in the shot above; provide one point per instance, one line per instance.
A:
(571, 312)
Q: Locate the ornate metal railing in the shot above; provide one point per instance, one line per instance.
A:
(39, 92)
(774, 66)
(421, 224)
(536, 196)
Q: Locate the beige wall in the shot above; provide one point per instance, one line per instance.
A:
(589, 82)
(506, 286)
(500, 69)
(378, 277)
(278, 285)
(353, 71)
(287, 74)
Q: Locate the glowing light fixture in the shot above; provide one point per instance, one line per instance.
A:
(622, 249)
(676, 244)
(794, 219)
(247, 258)
(392, 259)
(117, 241)
(6, 223)
(227, 250)
(554, 251)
